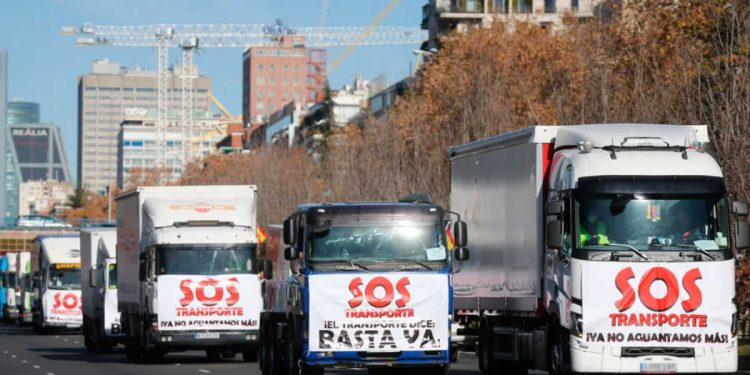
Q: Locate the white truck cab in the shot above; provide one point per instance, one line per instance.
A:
(56, 266)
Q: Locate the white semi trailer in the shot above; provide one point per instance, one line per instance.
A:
(598, 249)
(101, 320)
(187, 271)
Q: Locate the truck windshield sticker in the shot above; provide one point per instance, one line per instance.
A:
(658, 304)
(435, 253)
(379, 313)
(209, 302)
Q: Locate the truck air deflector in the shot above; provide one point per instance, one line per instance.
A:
(652, 185)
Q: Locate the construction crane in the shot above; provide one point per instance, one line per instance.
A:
(365, 34)
(189, 38)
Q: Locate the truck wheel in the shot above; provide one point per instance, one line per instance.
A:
(250, 354)
(88, 341)
(487, 362)
(559, 350)
(132, 351)
(291, 363)
(213, 355)
(268, 361)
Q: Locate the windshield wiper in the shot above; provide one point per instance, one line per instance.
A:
(698, 249)
(631, 248)
(354, 266)
(411, 267)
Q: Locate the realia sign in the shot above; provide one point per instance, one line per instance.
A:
(209, 302)
(658, 304)
(378, 313)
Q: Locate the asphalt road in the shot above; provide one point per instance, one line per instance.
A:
(62, 353)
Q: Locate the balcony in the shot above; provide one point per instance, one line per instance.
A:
(460, 6)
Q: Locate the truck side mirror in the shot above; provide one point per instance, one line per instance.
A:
(741, 227)
(291, 253)
(460, 235)
(461, 254)
(267, 269)
(290, 231)
(554, 234)
(92, 278)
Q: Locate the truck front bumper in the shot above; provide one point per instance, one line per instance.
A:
(587, 358)
(11, 313)
(371, 360)
(200, 340)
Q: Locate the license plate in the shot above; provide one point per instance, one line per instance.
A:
(207, 335)
(658, 368)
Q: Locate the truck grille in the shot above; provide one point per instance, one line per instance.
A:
(644, 351)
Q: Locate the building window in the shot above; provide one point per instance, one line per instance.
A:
(286, 68)
(574, 5)
(260, 80)
(285, 81)
(272, 68)
(259, 105)
(271, 94)
(296, 81)
(271, 106)
(260, 67)
(285, 95)
(271, 80)
(260, 93)
(296, 68)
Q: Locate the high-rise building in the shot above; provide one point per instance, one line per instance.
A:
(276, 75)
(103, 96)
(22, 112)
(440, 17)
(9, 193)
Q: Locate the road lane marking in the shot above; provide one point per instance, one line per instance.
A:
(75, 342)
(66, 340)
(35, 366)
(50, 373)
(13, 356)
(5, 352)
(24, 361)
(204, 371)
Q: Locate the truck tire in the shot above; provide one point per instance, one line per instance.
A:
(559, 350)
(291, 357)
(268, 359)
(88, 340)
(213, 355)
(486, 353)
(133, 351)
(250, 353)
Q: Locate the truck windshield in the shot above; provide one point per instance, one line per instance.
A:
(64, 276)
(112, 276)
(378, 242)
(205, 260)
(652, 222)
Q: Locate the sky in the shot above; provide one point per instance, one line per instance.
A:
(44, 66)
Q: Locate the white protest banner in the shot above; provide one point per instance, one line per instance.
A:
(198, 302)
(63, 306)
(658, 304)
(379, 312)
